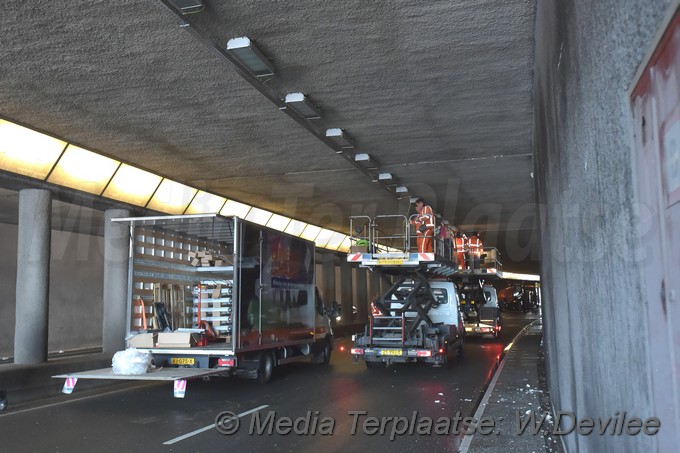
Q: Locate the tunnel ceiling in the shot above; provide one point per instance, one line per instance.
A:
(438, 92)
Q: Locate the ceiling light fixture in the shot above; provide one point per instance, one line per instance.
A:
(341, 138)
(301, 104)
(384, 176)
(401, 189)
(244, 51)
(188, 6)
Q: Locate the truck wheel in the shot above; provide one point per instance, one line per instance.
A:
(442, 361)
(265, 369)
(324, 357)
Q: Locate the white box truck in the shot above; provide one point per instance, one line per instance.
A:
(212, 295)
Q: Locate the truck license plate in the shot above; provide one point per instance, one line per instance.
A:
(182, 361)
(390, 262)
(391, 352)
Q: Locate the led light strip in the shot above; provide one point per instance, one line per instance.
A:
(27, 152)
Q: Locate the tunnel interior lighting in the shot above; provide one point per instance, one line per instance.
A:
(84, 170)
(345, 245)
(303, 106)
(362, 157)
(249, 56)
(401, 189)
(278, 222)
(335, 241)
(527, 277)
(341, 138)
(132, 185)
(234, 208)
(205, 203)
(384, 176)
(188, 6)
(172, 197)
(323, 237)
(259, 216)
(295, 227)
(310, 232)
(27, 152)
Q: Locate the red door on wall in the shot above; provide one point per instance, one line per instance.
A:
(655, 103)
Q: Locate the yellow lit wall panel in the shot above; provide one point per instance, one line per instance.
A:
(335, 241)
(205, 203)
(84, 170)
(234, 208)
(295, 227)
(311, 232)
(344, 247)
(278, 222)
(323, 237)
(27, 152)
(132, 185)
(172, 197)
(259, 216)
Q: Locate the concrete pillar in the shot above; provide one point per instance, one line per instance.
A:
(33, 276)
(346, 296)
(361, 298)
(116, 253)
(328, 279)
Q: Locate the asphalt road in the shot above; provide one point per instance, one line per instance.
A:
(147, 418)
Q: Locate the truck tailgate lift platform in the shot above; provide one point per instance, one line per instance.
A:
(178, 375)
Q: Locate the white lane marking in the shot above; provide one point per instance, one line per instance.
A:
(467, 440)
(209, 427)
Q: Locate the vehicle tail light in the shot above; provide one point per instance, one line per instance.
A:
(357, 351)
(225, 362)
(424, 353)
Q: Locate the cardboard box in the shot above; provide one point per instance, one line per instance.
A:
(142, 340)
(203, 255)
(177, 340)
(192, 255)
(217, 292)
(195, 262)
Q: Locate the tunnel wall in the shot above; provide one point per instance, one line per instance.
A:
(76, 290)
(587, 55)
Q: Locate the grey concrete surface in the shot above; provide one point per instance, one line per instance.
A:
(438, 92)
(76, 281)
(596, 331)
(33, 276)
(515, 406)
(116, 253)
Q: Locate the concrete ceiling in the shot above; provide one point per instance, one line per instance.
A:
(438, 92)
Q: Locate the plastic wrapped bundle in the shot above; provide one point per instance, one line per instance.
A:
(131, 361)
